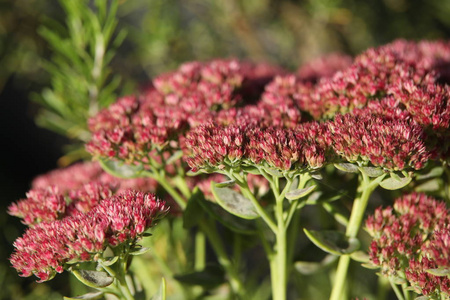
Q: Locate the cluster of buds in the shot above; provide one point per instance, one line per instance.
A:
(394, 92)
(131, 129)
(50, 247)
(411, 241)
(391, 144)
(65, 192)
(217, 146)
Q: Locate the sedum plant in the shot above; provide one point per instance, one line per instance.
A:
(242, 152)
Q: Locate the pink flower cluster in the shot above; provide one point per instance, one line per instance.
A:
(134, 126)
(388, 107)
(247, 144)
(49, 247)
(65, 192)
(411, 239)
(392, 144)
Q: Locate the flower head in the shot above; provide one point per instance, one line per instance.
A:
(410, 239)
(249, 143)
(134, 127)
(49, 247)
(67, 191)
(384, 142)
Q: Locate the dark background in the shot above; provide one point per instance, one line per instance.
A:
(161, 35)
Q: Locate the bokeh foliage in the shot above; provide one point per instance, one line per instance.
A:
(43, 52)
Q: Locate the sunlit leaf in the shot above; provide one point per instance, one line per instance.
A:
(333, 242)
(395, 182)
(234, 202)
(95, 279)
(120, 169)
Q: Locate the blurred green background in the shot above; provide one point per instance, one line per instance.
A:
(161, 34)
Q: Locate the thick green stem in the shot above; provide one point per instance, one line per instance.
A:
(211, 233)
(200, 247)
(279, 265)
(356, 218)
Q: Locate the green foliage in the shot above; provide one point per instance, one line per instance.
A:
(81, 79)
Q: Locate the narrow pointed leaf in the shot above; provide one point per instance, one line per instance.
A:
(120, 169)
(316, 176)
(308, 268)
(110, 261)
(395, 182)
(333, 242)
(347, 167)
(139, 251)
(299, 193)
(234, 202)
(95, 279)
(161, 294)
(88, 296)
(224, 184)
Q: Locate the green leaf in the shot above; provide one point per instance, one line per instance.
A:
(333, 242)
(161, 294)
(234, 202)
(139, 251)
(110, 261)
(397, 280)
(251, 169)
(434, 172)
(224, 184)
(88, 296)
(308, 268)
(347, 167)
(432, 185)
(299, 193)
(175, 157)
(273, 172)
(95, 279)
(422, 298)
(372, 171)
(316, 176)
(230, 221)
(439, 271)
(209, 277)
(193, 212)
(120, 169)
(395, 182)
(360, 256)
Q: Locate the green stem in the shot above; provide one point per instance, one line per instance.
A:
(259, 209)
(200, 254)
(279, 264)
(383, 288)
(210, 231)
(397, 291)
(359, 207)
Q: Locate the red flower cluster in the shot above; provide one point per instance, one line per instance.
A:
(48, 247)
(391, 144)
(65, 192)
(134, 126)
(79, 174)
(392, 100)
(410, 239)
(215, 146)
